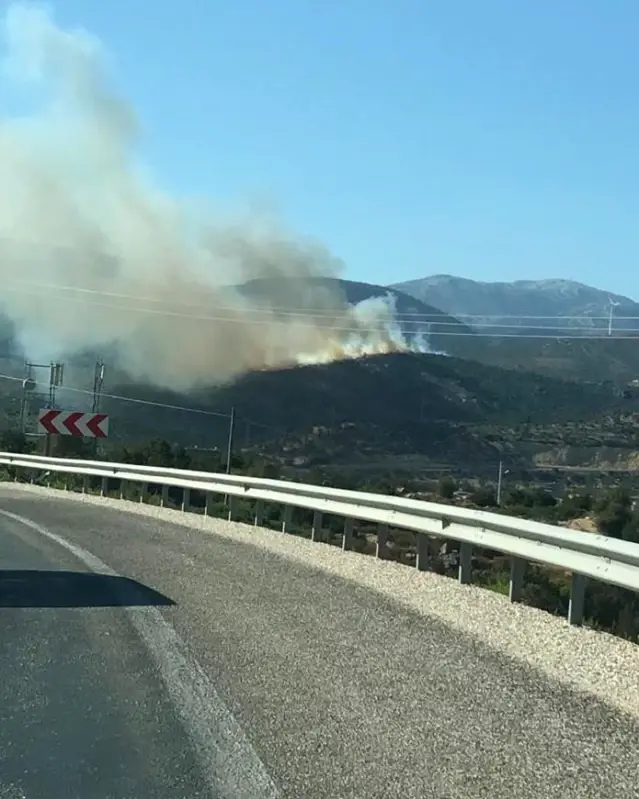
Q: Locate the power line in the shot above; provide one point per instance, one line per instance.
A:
(152, 403)
(564, 333)
(121, 398)
(285, 311)
(135, 400)
(483, 330)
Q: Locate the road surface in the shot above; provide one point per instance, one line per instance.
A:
(196, 666)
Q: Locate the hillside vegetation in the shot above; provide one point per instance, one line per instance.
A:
(444, 409)
(508, 397)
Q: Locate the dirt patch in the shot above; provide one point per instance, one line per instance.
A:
(585, 523)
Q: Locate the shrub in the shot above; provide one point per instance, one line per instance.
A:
(484, 497)
(446, 487)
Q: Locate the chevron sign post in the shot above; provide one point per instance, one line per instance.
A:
(73, 423)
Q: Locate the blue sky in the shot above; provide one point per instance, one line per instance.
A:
(495, 140)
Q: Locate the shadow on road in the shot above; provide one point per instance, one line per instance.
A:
(24, 588)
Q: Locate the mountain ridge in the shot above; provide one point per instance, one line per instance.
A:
(500, 302)
(554, 327)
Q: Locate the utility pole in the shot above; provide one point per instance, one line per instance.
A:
(613, 305)
(98, 382)
(500, 478)
(229, 450)
(56, 373)
(28, 386)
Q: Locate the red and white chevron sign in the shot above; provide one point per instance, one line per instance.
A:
(73, 423)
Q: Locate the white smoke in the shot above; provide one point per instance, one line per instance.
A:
(384, 334)
(94, 256)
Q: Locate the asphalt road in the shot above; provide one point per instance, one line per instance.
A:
(196, 666)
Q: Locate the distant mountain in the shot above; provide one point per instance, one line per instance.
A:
(519, 325)
(531, 304)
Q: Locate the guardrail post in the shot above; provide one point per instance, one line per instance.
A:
(287, 518)
(347, 535)
(517, 572)
(381, 549)
(164, 499)
(465, 562)
(208, 505)
(577, 598)
(316, 529)
(421, 559)
(84, 478)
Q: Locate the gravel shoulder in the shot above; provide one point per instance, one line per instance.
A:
(584, 660)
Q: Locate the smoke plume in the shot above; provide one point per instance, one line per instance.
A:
(94, 257)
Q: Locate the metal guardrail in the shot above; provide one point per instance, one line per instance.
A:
(583, 554)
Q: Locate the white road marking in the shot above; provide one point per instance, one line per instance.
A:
(228, 760)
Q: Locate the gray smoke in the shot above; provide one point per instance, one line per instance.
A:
(93, 256)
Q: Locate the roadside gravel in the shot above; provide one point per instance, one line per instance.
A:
(593, 662)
